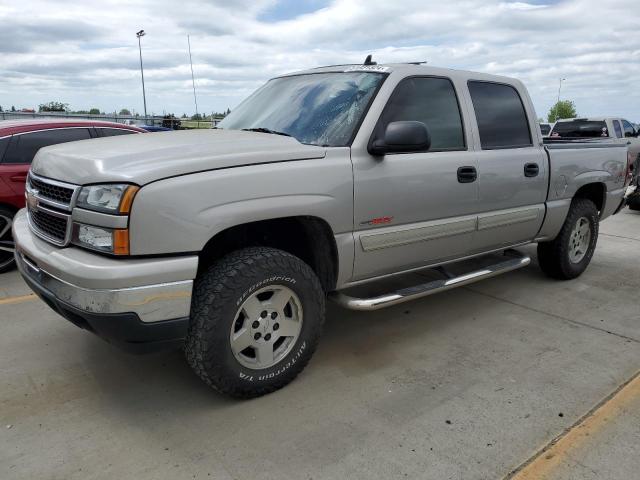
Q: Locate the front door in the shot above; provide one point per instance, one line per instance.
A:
(412, 209)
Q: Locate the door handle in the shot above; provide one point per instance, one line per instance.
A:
(467, 174)
(531, 170)
(18, 178)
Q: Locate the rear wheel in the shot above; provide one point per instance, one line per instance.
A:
(257, 315)
(569, 254)
(634, 201)
(7, 245)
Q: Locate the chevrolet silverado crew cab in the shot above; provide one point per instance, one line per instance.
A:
(228, 241)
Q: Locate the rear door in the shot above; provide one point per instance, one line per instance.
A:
(410, 209)
(512, 166)
(24, 146)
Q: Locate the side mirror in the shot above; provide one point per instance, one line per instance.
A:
(405, 136)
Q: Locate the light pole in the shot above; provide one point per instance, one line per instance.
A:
(141, 34)
(193, 81)
(559, 89)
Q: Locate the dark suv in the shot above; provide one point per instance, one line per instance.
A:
(19, 142)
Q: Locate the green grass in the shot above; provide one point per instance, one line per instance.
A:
(195, 124)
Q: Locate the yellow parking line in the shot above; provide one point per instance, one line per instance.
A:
(20, 299)
(543, 465)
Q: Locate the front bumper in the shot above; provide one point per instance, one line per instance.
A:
(138, 304)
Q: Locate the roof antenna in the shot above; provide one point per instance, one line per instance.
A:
(369, 61)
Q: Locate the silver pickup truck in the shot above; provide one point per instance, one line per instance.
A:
(227, 242)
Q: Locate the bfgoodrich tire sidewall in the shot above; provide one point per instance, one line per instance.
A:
(311, 313)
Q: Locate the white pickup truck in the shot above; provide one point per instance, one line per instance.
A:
(226, 242)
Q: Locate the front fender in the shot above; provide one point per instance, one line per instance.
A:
(181, 214)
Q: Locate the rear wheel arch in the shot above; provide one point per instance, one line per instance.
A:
(596, 192)
(309, 238)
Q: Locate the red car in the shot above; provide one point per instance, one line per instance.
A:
(19, 142)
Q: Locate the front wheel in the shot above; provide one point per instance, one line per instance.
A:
(569, 254)
(7, 245)
(257, 316)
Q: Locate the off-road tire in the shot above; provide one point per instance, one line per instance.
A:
(6, 263)
(218, 293)
(633, 202)
(553, 256)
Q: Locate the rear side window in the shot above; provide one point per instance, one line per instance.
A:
(24, 147)
(617, 128)
(580, 129)
(431, 101)
(114, 132)
(500, 114)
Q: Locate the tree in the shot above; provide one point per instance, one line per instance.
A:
(53, 107)
(1, 109)
(197, 116)
(124, 111)
(562, 109)
(94, 111)
(13, 109)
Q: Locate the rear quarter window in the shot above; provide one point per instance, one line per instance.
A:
(502, 119)
(114, 132)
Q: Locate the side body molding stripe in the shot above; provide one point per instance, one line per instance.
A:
(433, 230)
(405, 236)
(508, 218)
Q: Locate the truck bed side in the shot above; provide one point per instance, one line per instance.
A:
(575, 165)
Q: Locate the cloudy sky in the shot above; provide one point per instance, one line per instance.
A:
(85, 53)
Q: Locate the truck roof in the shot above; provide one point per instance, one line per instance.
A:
(11, 127)
(407, 69)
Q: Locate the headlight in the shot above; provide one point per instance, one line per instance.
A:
(108, 240)
(113, 198)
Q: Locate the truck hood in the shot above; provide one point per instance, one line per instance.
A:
(144, 158)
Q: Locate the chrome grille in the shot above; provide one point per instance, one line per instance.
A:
(51, 191)
(52, 226)
(49, 205)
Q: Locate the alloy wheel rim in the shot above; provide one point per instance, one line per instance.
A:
(579, 240)
(266, 327)
(7, 245)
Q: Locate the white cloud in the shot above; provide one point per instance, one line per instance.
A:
(85, 53)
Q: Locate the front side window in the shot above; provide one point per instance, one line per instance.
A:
(502, 119)
(629, 131)
(317, 109)
(24, 147)
(617, 128)
(432, 101)
(545, 128)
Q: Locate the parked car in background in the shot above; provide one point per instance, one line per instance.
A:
(603, 127)
(226, 242)
(20, 140)
(591, 127)
(545, 128)
(155, 128)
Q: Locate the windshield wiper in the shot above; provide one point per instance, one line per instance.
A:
(265, 130)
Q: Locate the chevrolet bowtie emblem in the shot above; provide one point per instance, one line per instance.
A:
(32, 201)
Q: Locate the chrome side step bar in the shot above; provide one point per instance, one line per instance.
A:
(429, 288)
